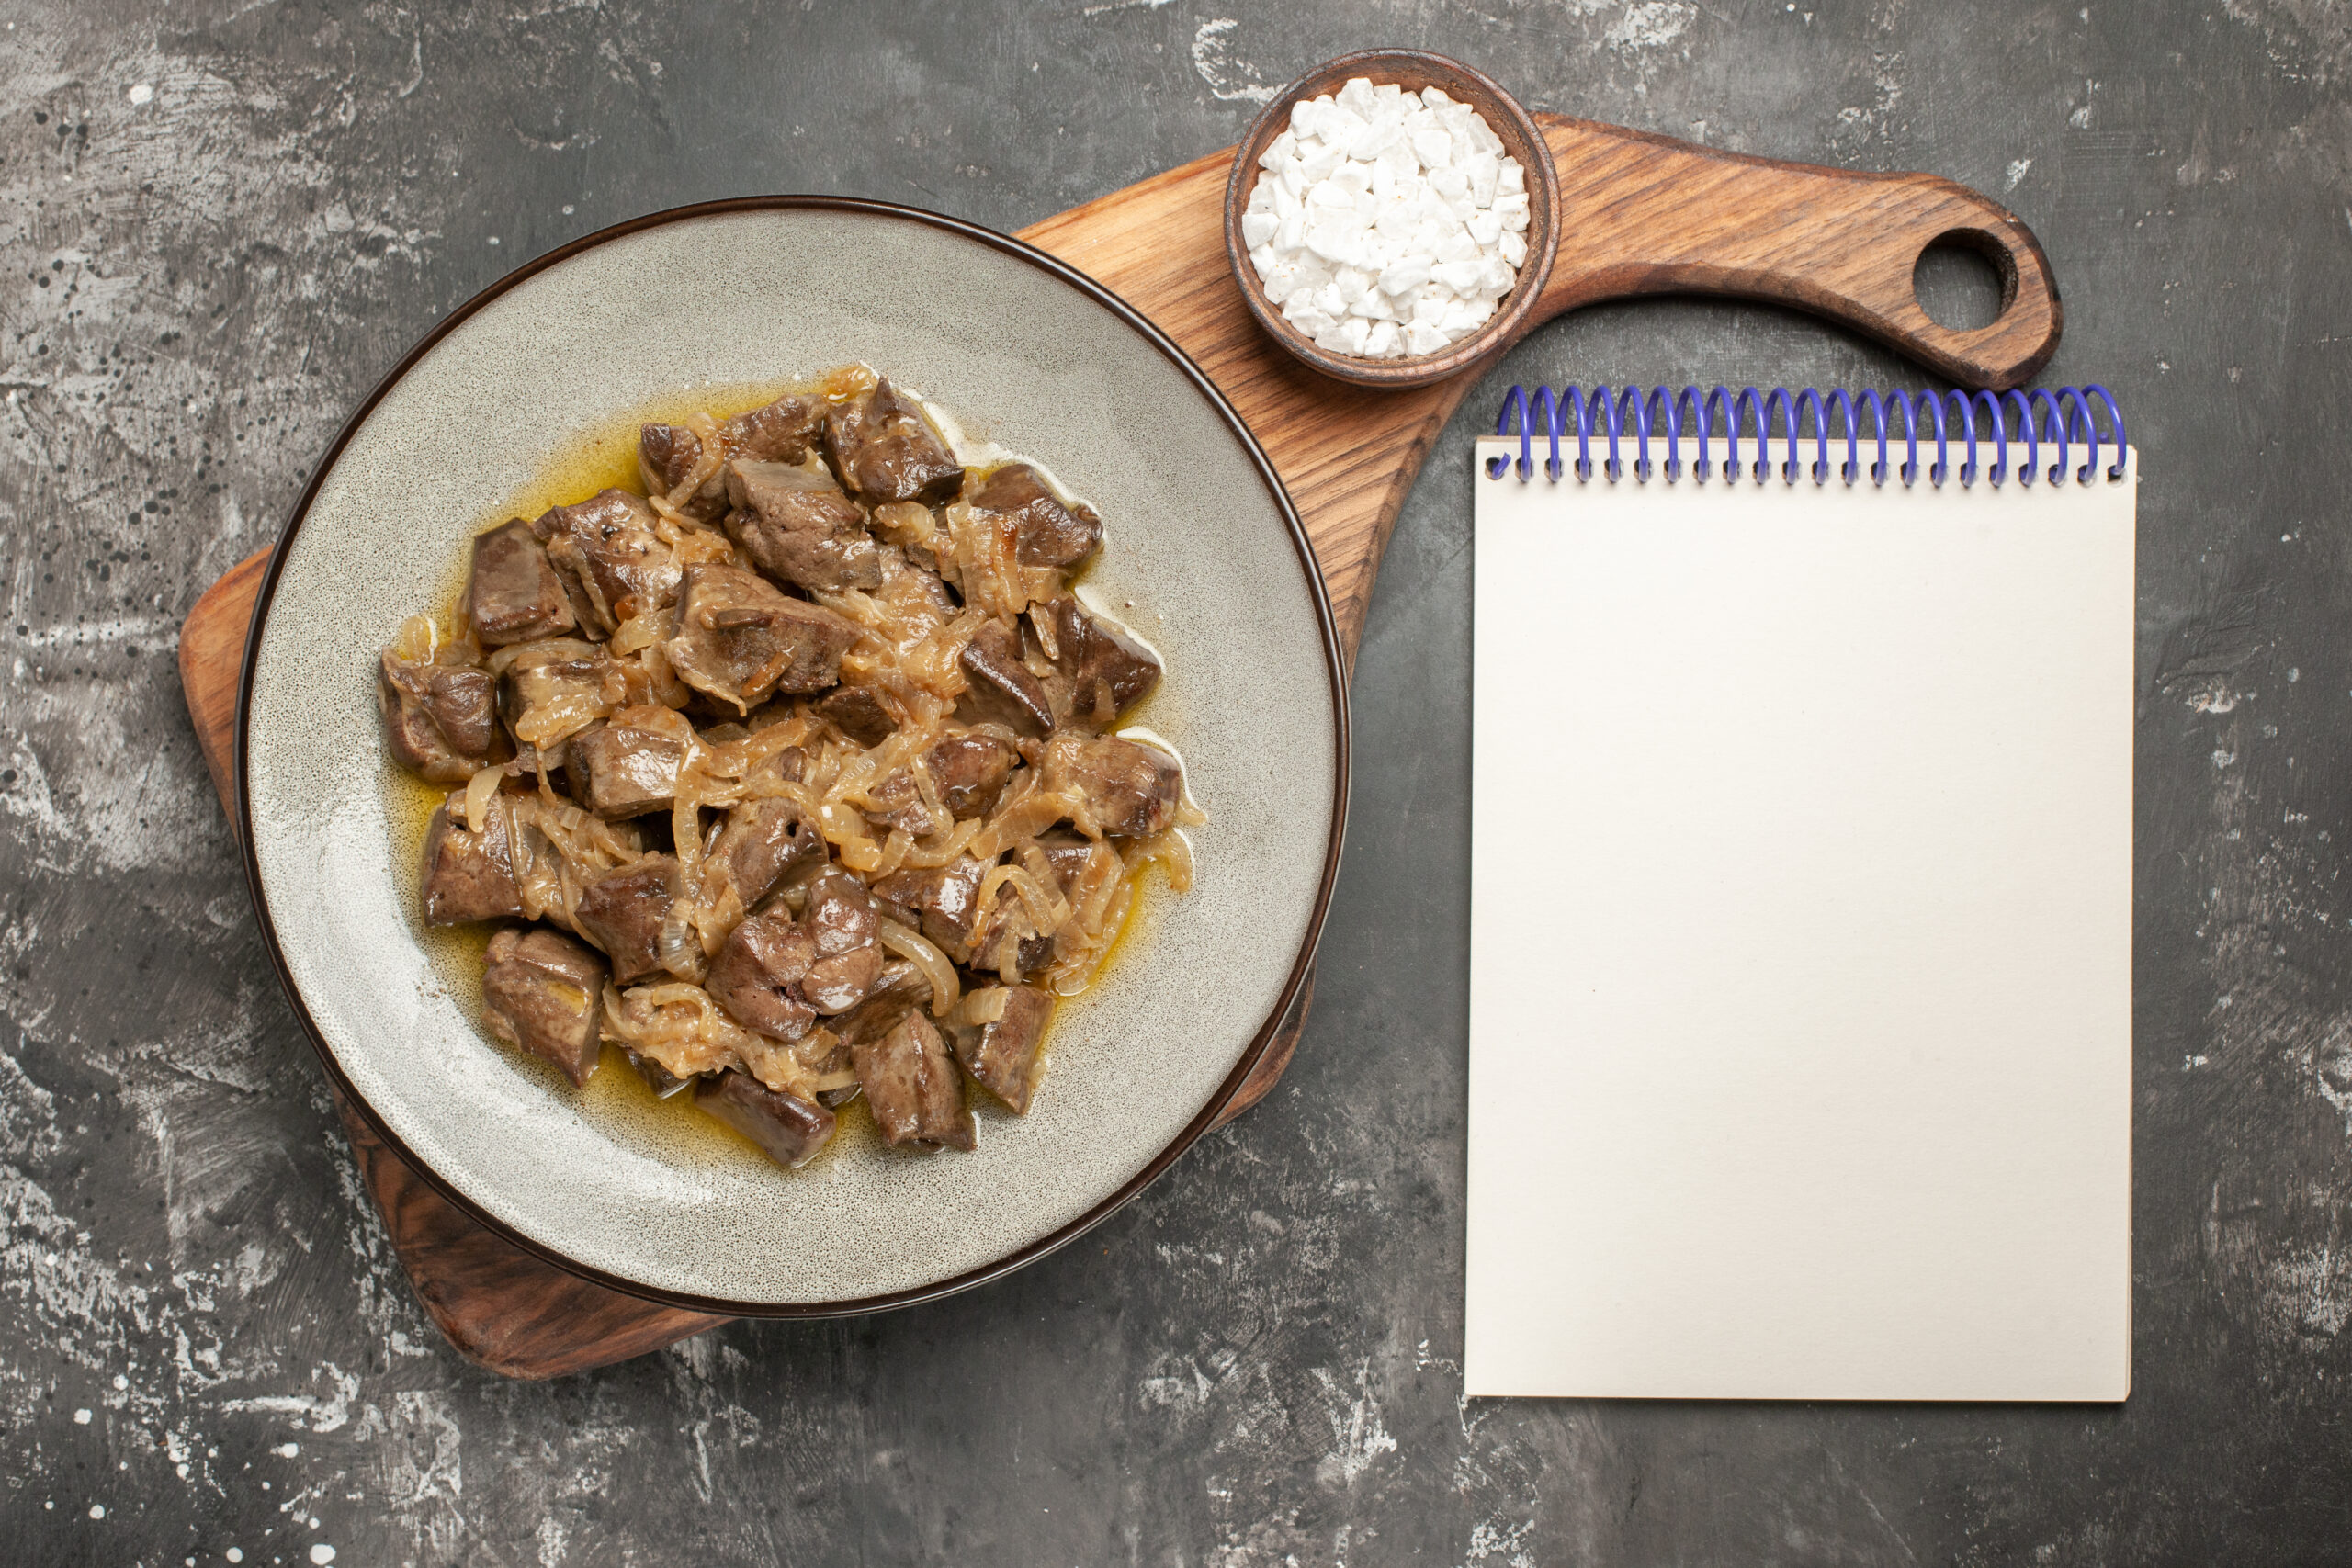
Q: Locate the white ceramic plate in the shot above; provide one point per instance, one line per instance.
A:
(1030, 355)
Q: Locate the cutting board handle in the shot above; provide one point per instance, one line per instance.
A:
(1643, 214)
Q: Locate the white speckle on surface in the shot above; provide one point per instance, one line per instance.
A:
(1229, 79)
(286, 1450)
(234, 1554)
(81, 1418)
(2019, 169)
(97, 1510)
(1650, 25)
(142, 93)
(1358, 1436)
(322, 1554)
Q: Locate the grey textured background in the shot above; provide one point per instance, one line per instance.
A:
(224, 220)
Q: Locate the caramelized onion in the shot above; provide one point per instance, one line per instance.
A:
(480, 790)
(936, 971)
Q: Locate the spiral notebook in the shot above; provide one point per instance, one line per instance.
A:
(1801, 920)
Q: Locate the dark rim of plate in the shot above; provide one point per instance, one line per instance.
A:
(1334, 668)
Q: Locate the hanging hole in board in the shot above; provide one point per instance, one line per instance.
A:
(1964, 280)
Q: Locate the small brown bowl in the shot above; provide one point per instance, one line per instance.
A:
(1413, 70)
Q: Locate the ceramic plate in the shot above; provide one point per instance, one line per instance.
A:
(1030, 355)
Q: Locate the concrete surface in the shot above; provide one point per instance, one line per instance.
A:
(225, 219)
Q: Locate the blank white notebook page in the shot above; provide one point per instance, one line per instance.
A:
(1800, 939)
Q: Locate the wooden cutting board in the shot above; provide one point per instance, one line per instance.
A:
(1642, 214)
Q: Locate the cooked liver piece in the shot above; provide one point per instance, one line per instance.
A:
(860, 715)
(1002, 1056)
(1107, 670)
(666, 454)
(558, 689)
(970, 772)
(1133, 789)
(624, 769)
(841, 921)
(545, 993)
(468, 875)
(788, 1129)
(938, 901)
(757, 975)
(912, 1085)
(1047, 532)
(1008, 914)
(739, 639)
(1065, 855)
(798, 527)
(440, 720)
(616, 564)
(762, 841)
(901, 804)
(622, 913)
(513, 594)
(779, 433)
(659, 1078)
(883, 448)
(1001, 689)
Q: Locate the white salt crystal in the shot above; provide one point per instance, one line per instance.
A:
(1481, 170)
(1385, 223)
(1327, 241)
(1405, 274)
(1420, 337)
(1462, 277)
(1377, 138)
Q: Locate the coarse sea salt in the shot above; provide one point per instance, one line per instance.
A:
(1385, 223)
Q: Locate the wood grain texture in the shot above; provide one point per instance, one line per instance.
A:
(1643, 216)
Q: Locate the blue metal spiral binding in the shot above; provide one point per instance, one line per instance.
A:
(2060, 417)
